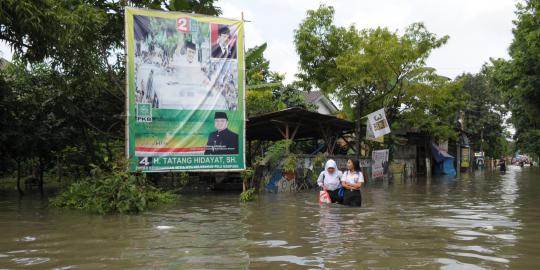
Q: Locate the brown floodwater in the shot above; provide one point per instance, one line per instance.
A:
(481, 221)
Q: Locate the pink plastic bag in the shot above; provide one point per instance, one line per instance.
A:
(324, 197)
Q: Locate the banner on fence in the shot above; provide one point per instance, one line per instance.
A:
(380, 162)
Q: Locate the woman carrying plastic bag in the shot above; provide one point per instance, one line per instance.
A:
(330, 181)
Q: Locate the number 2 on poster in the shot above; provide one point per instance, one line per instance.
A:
(182, 24)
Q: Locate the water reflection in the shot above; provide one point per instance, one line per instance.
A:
(480, 221)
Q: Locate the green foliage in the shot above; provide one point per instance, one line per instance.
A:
(33, 123)
(259, 102)
(257, 67)
(197, 6)
(364, 69)
(484, 113)
(73, 32)
(62, 100)
(369, 69)
(275, 153)
(519, 78)
(265, 89)
(247, 174)
(434, 108)
(289, 164)
(184, 178)
(318, 165)
(318, 160)
(116, 192)
(248, 195)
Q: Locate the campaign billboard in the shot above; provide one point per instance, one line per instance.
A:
(185, 96)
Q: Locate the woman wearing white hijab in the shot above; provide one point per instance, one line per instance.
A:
(330, 179)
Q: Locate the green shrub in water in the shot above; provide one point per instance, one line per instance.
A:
(115, 192)
(247, 173)
(274, 153)
(289, 164)
(248, 195)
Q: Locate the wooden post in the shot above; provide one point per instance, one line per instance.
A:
(19, 189)
(358, 129)
(458, 157)
(249, 153)
(287, 150)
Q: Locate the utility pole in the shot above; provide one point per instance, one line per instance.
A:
(458, 156)
(482, 140)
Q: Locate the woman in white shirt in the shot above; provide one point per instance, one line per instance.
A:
(330, 179)
(352, 181)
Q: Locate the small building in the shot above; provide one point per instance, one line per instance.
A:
(412, 152)
(323, 103)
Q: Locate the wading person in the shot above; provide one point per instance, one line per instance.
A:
(502, 165)
(352, 181)
(330, 180)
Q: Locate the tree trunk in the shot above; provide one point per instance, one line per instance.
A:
(109, 151)
(41, 171)
(21, 193)
(59, 169)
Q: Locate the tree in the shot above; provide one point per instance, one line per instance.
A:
(434, 108)
(266, 91)
(519, 77)
(363, 69)
(69, 76)
(524, 97)
(36, 127)
(484, 112)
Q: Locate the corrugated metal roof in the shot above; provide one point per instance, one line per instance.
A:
(312, 96)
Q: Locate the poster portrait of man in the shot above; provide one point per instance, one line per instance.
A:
(222, 141)
(223, 41)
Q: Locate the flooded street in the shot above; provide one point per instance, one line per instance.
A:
(482, 221)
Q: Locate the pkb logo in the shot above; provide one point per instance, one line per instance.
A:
(144, 112)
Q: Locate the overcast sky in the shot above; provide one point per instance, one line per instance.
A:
(478, 29)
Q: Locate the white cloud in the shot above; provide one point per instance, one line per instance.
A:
(478, 29)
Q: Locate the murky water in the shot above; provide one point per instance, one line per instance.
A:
(481, 221)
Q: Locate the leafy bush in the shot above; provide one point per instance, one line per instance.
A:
(275, 153)
(289, 165)
(248, 195)
(115, 192)
(318, 160)
(247, 173)
(318, 165)
(184, 178)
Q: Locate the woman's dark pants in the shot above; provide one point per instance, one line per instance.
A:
(334, 196)
(352, 197)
